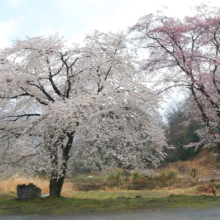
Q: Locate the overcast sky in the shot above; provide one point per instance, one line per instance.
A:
(73, 18)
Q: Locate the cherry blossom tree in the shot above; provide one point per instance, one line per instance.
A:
(52, 95)
(184, 54)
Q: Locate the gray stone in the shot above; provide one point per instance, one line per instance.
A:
(28, 191)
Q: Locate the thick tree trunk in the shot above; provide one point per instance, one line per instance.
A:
(56, 183)
(60, 183)
(53, 188)
(56, 186)
(53, 179)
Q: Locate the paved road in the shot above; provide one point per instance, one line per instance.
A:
(164, 214)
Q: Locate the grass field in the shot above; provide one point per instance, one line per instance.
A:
(106, 201)
(101, 195)
(168, 189)
(103, 201)
(110, 199)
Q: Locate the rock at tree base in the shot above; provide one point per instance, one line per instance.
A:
(28, 191)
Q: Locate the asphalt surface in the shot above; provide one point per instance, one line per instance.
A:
(212, 213)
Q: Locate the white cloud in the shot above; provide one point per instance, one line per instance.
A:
(15, 3)
(102, 2)
(69, 5)
(46, 32)
(129, 11)
(78, 38)
(49, 31)
(8, 29)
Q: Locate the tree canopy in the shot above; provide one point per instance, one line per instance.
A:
(184, 53)
(52, 95)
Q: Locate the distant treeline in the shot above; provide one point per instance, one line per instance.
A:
(179, 135)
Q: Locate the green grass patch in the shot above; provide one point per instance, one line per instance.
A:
(105, 201)
(7, 195)
(102, 195)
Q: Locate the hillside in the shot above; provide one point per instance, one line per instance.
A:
(206, 165)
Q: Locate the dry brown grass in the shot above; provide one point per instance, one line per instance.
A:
(180, 191)
(11, 185)
(69, 189)
(201, 163)
(114, 189)
(206, 189)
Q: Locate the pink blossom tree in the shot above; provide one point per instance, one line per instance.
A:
(52, 95)
(184, 53)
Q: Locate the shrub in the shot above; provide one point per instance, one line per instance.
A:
(126, 175)
(172, 174)
(115, 175)
(163, 175)
(135, 175)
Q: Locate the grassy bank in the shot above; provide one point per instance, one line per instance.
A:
(118, 191)
(103, 201)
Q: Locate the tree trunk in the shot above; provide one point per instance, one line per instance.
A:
(53, 179)
(53, 188)
(60, 185)
(56, 183)
(60, 180)
(56, 186)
